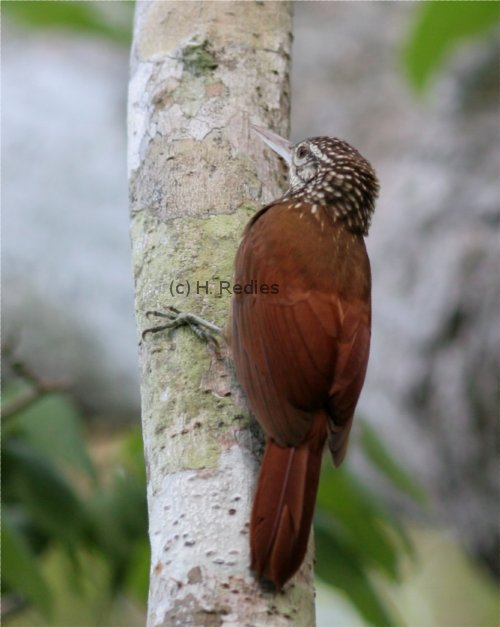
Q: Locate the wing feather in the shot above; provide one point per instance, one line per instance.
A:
(305, 347)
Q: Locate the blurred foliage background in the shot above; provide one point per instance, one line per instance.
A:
(74, 517)
(74, 533)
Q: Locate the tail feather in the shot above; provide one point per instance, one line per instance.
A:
(284, 505)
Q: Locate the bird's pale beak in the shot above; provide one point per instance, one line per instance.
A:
(282, 146)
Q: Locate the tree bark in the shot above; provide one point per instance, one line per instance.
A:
(200, 72)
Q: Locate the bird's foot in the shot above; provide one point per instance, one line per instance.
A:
(206, 331)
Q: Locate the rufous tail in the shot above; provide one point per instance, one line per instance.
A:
(283, 506)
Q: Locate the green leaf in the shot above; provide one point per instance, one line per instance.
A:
(118, 518)
(386, 464)
(357, 521)
(12, 390)
(20, 570)
(137, 576)
(50, 501)
(133, 455)
(338, 566)
(438, 28)
(53, 427)
(90, 17)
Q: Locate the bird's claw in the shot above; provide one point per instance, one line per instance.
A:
(203, 329)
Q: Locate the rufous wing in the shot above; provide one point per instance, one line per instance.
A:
(304, 346)
(300, 340)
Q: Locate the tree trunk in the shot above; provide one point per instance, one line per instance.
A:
(200, 72)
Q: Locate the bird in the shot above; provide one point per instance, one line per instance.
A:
(300, 338)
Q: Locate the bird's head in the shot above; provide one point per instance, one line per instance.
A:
(328, 171)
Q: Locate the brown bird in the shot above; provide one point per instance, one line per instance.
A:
(301, 339)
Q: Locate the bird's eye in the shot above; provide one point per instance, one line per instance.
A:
(302, 152)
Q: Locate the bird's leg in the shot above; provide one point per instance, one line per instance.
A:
(206, 331)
